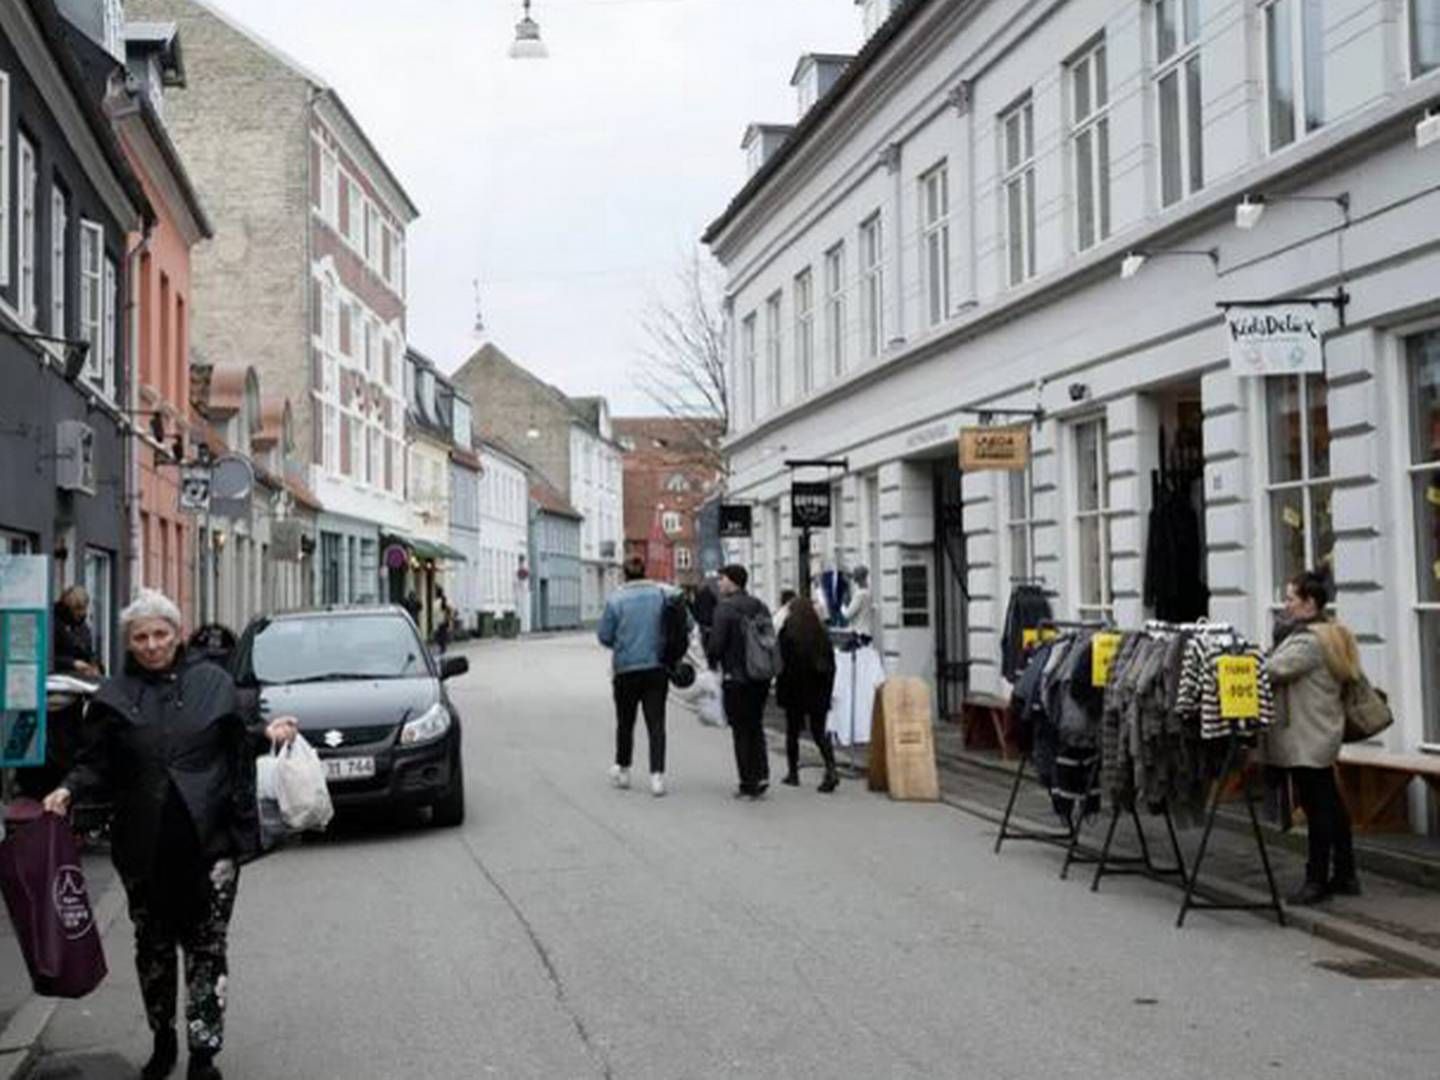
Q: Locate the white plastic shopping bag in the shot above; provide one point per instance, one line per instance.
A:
(300, 787)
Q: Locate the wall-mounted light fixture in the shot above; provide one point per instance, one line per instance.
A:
(1252, 207)
(76, 351)
(1427, 131)
(1134, 260)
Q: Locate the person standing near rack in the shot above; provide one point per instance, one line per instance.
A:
(744, 630)
(1312, 661)
(805, 687)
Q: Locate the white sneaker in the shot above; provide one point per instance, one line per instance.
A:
(619, 777)
(657, 784)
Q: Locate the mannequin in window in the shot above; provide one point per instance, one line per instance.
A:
(859, 610)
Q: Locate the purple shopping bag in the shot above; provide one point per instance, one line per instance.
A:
(44, 888)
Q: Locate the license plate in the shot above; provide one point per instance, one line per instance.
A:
(349, 768)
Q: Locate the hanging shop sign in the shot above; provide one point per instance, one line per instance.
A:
(396, 557)
(735, 521)
(1004, 448)
(194, 489)
(24, 658)
(1274, 339)
(810, 504)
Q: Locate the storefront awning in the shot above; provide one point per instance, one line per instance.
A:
(433, 550)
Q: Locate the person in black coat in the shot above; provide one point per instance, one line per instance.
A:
(174, 750)
(74, 642)
(805, 687)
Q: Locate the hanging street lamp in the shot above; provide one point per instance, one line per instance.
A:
(528, 45)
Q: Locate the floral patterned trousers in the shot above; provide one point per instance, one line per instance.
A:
(189, 912)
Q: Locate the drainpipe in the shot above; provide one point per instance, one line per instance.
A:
(135, 444)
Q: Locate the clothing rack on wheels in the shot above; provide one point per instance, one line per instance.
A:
(1069, 837)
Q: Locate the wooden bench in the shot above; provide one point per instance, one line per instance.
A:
(1374, 782)
(991, 714)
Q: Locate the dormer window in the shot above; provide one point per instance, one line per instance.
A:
(814, 75)
(875, 13)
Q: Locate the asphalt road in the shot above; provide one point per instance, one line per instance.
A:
(573, 931)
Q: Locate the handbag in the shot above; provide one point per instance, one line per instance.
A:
(1367, 710)
(44, 888)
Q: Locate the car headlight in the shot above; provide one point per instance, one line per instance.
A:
(427, 727)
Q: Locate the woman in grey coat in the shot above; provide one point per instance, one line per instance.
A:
(1312, 661)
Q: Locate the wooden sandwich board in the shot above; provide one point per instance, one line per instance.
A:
(902, 741)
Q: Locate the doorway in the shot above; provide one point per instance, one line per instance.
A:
(1176, 576)
(952, 660)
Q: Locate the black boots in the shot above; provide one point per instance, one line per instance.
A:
(1345, 886)
(162, 1061)
(1309, 894)
(202, 1067)
(792, 778)
(831, 781)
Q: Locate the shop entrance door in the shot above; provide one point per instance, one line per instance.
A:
(1176, 579)
(952, 639)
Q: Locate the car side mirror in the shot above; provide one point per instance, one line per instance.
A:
(450, 666)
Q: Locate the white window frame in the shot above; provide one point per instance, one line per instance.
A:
(1179, 65)
(331, 434)
(1017, 191)
(804, 307)
(872, 286)
(1089, 82)
(27, 217)
(109, 335)
(934, 200)
(670, 522)
(4, 178)
(748, 373)
(1425, 610)
(356, 235)
(59, 262)
(1020, 523)
(329, 187)
(835, 308)
(683, 559)
(774, 351)
(1098, 517)
(1308, 56)
(92, 315)
(1412, 37)
(1307, 485)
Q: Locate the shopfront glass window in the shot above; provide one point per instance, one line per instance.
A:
(1423, 356)
(1092, 524)
(1302, 530)
(1020, 523)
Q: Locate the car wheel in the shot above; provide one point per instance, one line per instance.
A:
(449, 811)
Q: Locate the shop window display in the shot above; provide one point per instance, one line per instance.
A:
(1423, 355)
(1302, 530)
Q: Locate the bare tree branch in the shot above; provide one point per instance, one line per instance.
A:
(684, 371)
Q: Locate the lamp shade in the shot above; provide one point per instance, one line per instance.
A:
(528, 45)
(1132, 264)
(1248, 212)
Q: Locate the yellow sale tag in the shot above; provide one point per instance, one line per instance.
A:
(1239, 678)
(1102, 657)
(1035, 635)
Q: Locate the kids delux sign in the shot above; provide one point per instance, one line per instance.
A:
(1275, 339)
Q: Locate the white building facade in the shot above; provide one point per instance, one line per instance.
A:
(504, 505)
(597, 492)
(944, 232)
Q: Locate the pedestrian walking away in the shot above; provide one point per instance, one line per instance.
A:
(633, 629)
(173, 749)
(805, 687)
(743, 648)
(1313, 659)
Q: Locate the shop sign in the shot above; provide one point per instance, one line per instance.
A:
(1006, 448)
(194, 489)
(396, 557)
(735, 521)
(24, 658)
(1274, 339)
(810, 505)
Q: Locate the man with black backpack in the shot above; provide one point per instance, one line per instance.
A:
(647, 628)
(744, 648)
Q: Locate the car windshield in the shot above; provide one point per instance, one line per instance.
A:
(323, 649)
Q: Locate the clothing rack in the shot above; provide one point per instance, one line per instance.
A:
(1068, 838)
(1141, 864)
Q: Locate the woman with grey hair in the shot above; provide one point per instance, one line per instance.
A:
(170, 745)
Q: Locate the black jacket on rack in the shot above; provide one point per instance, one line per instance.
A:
(1175, 586)
(1028, 608)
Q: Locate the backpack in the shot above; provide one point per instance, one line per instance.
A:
(762, 648)
(1367, 711)
(674, 630)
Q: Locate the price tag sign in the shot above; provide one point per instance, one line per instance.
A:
(1035, 635)
(1239, 678)
(1103, 648)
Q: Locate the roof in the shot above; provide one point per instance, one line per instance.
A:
(550, 501)
(764, 129)
(488, 440)
(818, 58)
(582, 410)
(468, 458)
(903, 15)
(164, 37)
(679, 433)
(332, 95)
(89, 88)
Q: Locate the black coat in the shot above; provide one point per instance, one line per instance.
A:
(73, 641)
(725, 647)
(184, 727)
(807, 678)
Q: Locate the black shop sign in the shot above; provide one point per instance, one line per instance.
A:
(735, 522)
(810, 505)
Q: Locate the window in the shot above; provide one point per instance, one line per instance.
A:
(332, 438)
(99, 577)
(678, 483)
(670, 522)
(371, 330)
(92, 256)
(872, 286)
(355, 233)
(13, 543)
(684, 560)
(1302, 531)
(1294, 69)
(772, 351)
(835, 307)
(4, 178)
(109, 333)
(935, 244)
(329, 187)
(805, 331)
(330, 315)
(1090, 146)
(372, 233)
(1424, 39)
(1020, 520)
(1092, 513)
(59, 227)
(1177, 81)
(747, 365)
(1423, 358)
(29, 232)
(347, 325)
(1018, 184)
(915, 595)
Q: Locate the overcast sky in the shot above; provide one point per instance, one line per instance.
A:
(570, 187)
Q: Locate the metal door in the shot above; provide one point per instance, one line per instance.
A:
(952, 662)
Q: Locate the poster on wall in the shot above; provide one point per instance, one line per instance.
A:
(1274, 339)
(24, 658)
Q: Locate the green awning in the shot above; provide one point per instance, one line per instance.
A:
(428, 549)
